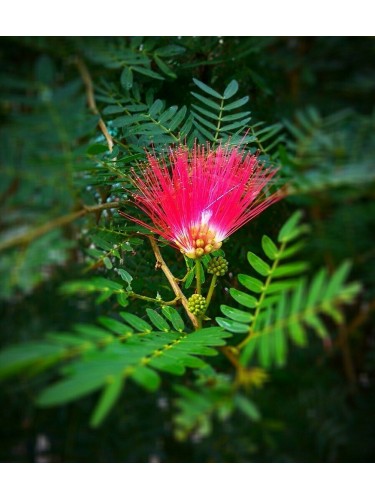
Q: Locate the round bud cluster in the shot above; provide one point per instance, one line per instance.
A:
(197, 304)
(217, 266)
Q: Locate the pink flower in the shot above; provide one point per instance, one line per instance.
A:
(202, 196)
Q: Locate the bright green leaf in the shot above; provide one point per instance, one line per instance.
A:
(258, 264)
(243, 298)
(110, 394)
(252, 284)
(158, 321)
(237, 314)
(232, 326)
(269, 248)
(137, 323)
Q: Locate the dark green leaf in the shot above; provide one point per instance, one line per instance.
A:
(235, 116)
(148, 72)
(107, 262)
(236, 104)
(177, 119)
(247, 407)
(113, 109)
(207, 89)
(231, 89)
(237, 125)
(203, 121)
(168, 114)
(170, 50)
(125, 276)
(204, 132)
(156, 108)
(205, 112)
(127, 78)
(208, 102)
(97, 149)
(164, 67)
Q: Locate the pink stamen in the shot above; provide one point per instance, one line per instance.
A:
(203, 197)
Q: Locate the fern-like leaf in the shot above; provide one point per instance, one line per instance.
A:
(105, 357)
(281, 304)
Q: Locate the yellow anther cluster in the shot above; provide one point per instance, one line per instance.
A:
(203, 242)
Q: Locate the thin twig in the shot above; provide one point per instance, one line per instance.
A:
(37, 232)
(172, 281)
(86, 77)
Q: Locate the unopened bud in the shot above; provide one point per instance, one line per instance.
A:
(197, 304)
(217, 266)
(199, 252)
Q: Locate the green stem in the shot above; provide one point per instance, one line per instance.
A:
(182, 280)
(198, 275)
(211, 290)
(172, 281)
(150, 299)
(219, 121)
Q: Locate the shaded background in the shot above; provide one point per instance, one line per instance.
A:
(321, 406)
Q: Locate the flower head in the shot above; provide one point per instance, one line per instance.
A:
(201, 196)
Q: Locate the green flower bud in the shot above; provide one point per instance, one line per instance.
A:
(197, 304)
(218, 266)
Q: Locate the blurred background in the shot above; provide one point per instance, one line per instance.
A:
(318, 95)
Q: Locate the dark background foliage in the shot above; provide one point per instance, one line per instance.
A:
(319, 407)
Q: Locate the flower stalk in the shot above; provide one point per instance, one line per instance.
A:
(160, 262)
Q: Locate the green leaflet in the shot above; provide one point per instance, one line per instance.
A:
(269, 247)
(174, 317)
(110, 394)
(137, 323)
(157, 320)
(230, 90)
(258, 264)
(236, 314)
(207, 89)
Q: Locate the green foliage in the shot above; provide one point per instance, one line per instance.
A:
(104, 358)
(214, 117)
(213, 397)
(285, 306)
